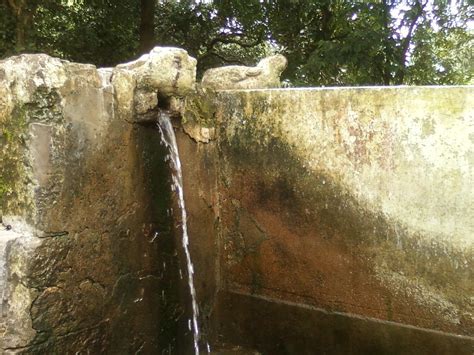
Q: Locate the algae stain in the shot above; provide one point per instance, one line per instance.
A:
(256, 283)
(388, 304)
(199, 109)
(12, 168)
(428, 127)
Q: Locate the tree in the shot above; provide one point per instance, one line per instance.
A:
(7, 30)
(23, 12)
(218, 33)
(327, 42)
(371, 43)
(147, 28)
(442, 50)
(102, 32)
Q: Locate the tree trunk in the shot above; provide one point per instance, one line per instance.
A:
(388, 50)
(23, 24)
(418, 9)
(24, 13)
(147, 28)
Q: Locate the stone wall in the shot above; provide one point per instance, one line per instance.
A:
(333, 220)
(355, 202)
(85, 192)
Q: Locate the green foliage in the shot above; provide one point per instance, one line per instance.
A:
(373, 43)
(333, 43)
(7, 31)
(224, 32)
(95, 33)
(327, 42)
(443, 51)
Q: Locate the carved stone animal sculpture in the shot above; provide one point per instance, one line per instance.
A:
(265, 75)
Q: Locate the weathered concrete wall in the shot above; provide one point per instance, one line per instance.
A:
(357, 201)
(85, 192)
(348, 209)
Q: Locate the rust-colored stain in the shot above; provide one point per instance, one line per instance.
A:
(303, 261)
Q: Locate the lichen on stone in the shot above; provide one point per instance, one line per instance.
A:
(199, 116)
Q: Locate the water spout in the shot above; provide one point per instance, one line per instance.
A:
(169, 139)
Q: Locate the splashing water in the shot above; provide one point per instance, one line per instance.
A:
(169, 139)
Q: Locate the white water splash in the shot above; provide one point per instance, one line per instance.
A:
(169, 139)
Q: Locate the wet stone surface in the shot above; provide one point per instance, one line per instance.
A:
(82, 185)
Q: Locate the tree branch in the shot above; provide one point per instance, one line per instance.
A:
(386, 73)
(222, 58)
(406, 41)
(228, 61)
(405, 45)
(230, 40)
(15, 7)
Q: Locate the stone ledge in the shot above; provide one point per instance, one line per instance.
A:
(276, 327)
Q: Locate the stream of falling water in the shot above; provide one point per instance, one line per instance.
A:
(169, 139)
